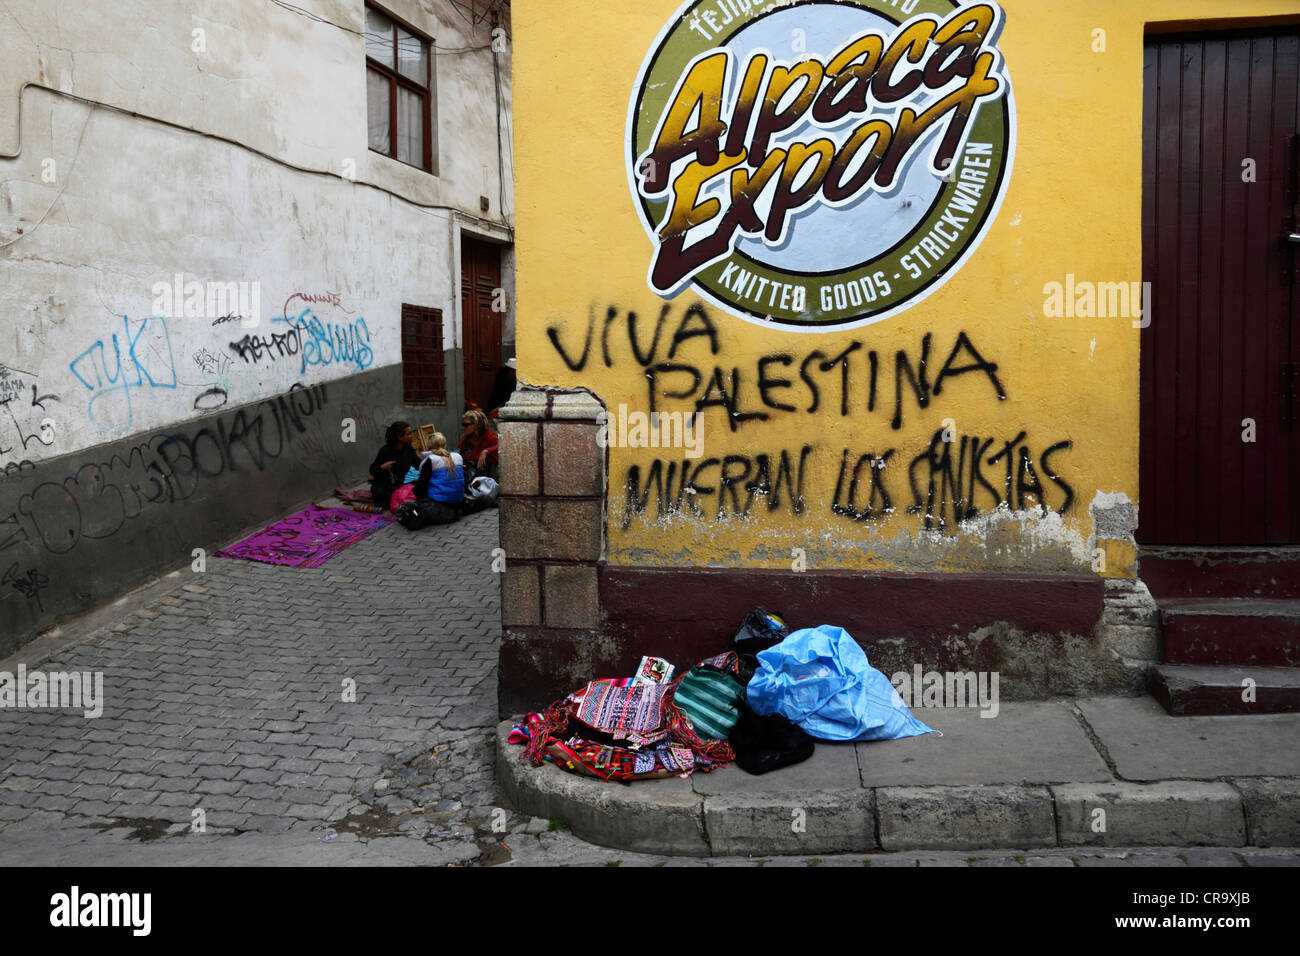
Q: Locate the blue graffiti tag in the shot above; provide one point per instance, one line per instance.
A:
(149, 364)
(331, 343)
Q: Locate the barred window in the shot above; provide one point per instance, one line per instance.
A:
(424, 368)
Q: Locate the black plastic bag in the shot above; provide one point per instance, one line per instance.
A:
(760, 630)
(763, 744)
(746, 667)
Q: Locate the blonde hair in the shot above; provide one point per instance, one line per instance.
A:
(438, 445)
(479, 420)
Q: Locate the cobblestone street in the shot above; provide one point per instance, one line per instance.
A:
(228, 692)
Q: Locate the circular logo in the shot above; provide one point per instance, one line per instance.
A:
(819, 164)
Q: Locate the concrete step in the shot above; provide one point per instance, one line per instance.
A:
(1186, 691)
(1185, 572)
(1227, 632)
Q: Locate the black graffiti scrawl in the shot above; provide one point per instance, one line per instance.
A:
(98, 497)
(954, 477)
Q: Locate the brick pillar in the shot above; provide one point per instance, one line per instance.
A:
(552, 505)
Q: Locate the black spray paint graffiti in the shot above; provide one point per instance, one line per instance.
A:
(212, 399)
(762, 476)
(949, 481)
(212, 363)
(252, 348)
(755, 394)
(14, 397)
(217, 365)
(370, 413)
(15, 468)
(100, 497)
(314, 340)
(29, 585)
(38, 401)
(948, 484)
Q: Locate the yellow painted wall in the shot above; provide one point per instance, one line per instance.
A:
(1073, 206)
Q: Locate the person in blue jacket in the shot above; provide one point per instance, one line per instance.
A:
(442, 474)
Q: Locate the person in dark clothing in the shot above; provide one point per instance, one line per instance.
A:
(503, 387)
(388, 471)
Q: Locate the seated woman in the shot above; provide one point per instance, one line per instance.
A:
(441, 476)
(478, 443)
(388, 470)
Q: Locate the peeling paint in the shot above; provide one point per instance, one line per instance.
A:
(1003, 540)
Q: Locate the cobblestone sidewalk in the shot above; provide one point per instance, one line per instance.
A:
(351, 701)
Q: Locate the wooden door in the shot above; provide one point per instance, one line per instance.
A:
(1219, 191)
(480, 280)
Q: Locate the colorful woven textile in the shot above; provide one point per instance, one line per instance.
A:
(674, 758)
(621, 712)
(522, 733)
(615, 730)
(728, 662)
(307, 539)
(607, 762)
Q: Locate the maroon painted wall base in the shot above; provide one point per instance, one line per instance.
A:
(1036, 631)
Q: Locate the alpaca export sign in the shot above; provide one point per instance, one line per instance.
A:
(821, 164)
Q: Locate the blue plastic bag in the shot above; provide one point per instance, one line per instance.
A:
(819, 679)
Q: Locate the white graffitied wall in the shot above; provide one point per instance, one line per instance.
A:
(248, 241)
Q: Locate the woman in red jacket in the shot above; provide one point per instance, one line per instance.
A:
(478, 443)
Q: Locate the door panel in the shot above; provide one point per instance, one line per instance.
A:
(480, 277)
(1219, 179)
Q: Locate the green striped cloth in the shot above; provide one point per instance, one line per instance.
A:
(711, 700)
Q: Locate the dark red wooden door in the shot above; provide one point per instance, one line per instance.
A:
(480, 280)
(1219, 196)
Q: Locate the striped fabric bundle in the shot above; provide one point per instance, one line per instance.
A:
(711, 699)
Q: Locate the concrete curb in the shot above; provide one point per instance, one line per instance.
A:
(1167, 813)
(1272, 806)
(826, 821)
(655, 816)
(965, 818)
(667, 817)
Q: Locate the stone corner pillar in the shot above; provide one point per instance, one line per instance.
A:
(552, 511)
(1130, 621)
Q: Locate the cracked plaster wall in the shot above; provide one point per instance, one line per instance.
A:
(109, 205)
